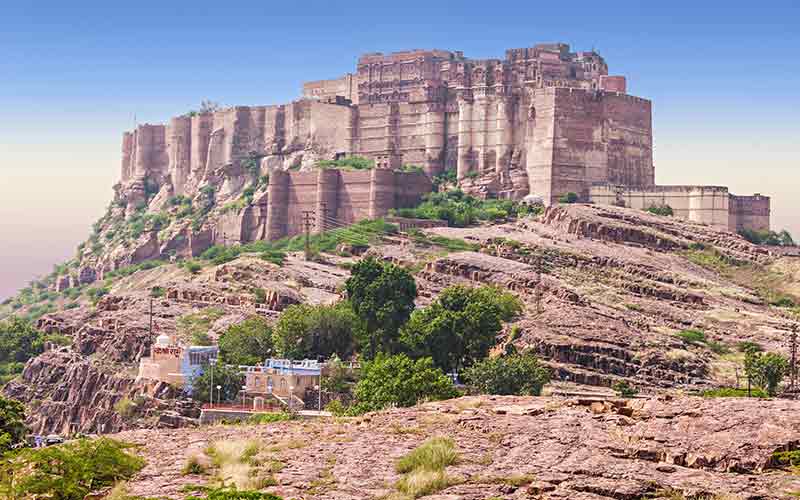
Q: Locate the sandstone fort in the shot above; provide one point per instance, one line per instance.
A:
(543, 121)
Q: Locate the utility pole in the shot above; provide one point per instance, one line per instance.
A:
(307, 222)
(151, 322)
(793, 367)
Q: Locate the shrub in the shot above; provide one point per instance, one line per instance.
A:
(195, 326)
(569, 197)
(730, 392)
(663, 210)
(12, 424)
(260, 295)
(269, 418)
(520, 374)
(461, 210)
(246, 343)
(348, 163)
(783, 238)
(125, 407)
(193, 466)
(399, 380)
(766, 370)
(228, 493)
(624, 389)
(69, 471)
(461, 326)
(693, 337)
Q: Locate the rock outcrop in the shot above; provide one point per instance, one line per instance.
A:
(549, 447)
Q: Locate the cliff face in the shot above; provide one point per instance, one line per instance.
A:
(606, 291)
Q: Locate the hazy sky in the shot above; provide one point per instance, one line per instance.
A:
(723, 77)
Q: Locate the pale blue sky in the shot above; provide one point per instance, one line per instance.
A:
(723, 77)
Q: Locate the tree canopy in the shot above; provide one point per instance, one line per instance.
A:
(519, 374)
(461, 326)
(382, 295)
(308, 331)
(246, 343)
(12, 424)
(400, 380)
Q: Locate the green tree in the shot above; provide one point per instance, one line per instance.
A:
(12, 424)
(568, 198)
(19, 340)
(308, 331)
(765, 370)
(246, 343)
(382, 295)
(399, 380)
(227, 377)
(520, 374)
(69, 471)
(461, 326)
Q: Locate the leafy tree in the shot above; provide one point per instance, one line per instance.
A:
(765, 370)
(19, 340)
(246, 343)
(227, 377)
(399, 380)
(307, 331)
(461, 326)
(520, 374)
(69, 471)
(382, 296)
(12, 424)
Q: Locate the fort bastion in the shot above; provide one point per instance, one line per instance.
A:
(542, 120)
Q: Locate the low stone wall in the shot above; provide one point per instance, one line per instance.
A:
(704, 204)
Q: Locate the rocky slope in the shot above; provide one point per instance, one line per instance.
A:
(509, 448)
(606, 291)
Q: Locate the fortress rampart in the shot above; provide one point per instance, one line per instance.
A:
(542, 120)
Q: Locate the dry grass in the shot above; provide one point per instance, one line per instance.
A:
(434, 454)
(425, 482)
(235, 463)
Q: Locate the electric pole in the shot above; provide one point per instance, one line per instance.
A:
(793, 367)
(307, 222)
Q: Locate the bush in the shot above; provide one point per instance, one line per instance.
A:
(624, 389)
(766, 370)
(663, 210)
(568, 198)
(307, 331)
(196, 326)
(729, 392)
(246, 343)
(517, 374)
(459, 327)
(12, 424)
(398, 380)
(461, 210)
(69, 471)
(226, 493)
(693, 337)
(348, 163)
(783, 238)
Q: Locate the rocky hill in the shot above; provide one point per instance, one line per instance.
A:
(609, 294)
(507, 447)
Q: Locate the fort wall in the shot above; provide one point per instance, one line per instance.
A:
(712, 205)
